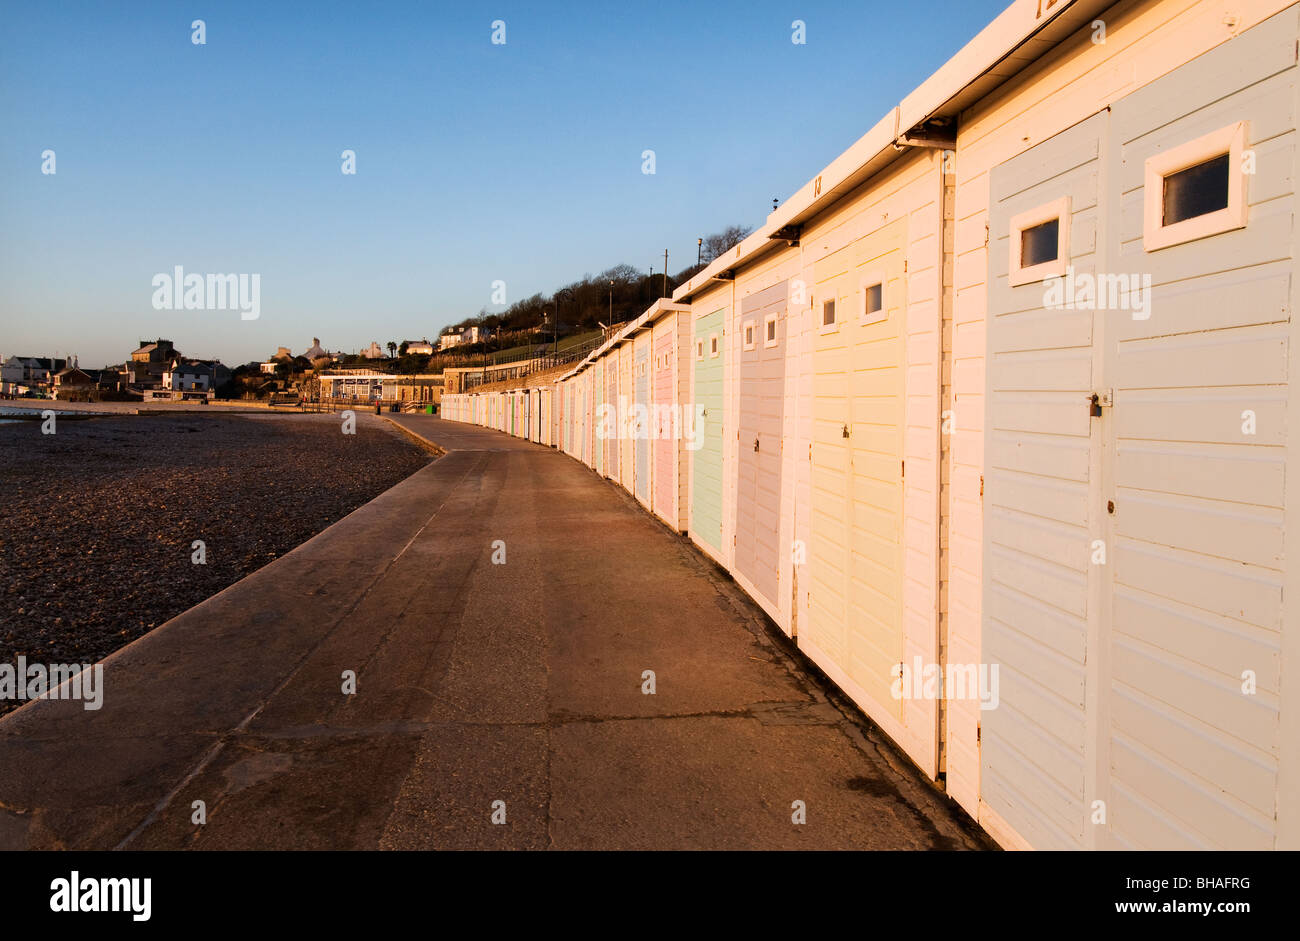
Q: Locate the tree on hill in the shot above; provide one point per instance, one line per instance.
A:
(615, 295)
(721, 242)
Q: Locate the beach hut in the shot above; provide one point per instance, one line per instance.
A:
(669, 326)
(1135, 294)
(992, 421)
(642, 400)
(626, 395)
(709, 311)
(760, 475)
(827, 329)
(613, 440)
(596, 372)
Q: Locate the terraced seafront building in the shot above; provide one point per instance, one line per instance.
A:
(1007, 385)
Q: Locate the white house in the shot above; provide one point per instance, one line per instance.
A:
(471, 334)
(19, 373)
(188, 377)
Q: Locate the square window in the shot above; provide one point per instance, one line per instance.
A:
(1195, 190)
(748, 333)
(828, 313)
(1039, 242)
(699, 349)
(769, 330)
(872, 285)
(875, 298)
(713, 345)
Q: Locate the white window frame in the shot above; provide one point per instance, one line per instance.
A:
(1155, 234)
(1056, 209)
(747, 335)
(699, 348)
(713, 346)
(869, 280)
(769, 342)
(822, 325)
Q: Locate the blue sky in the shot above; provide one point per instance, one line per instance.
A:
(475, 162)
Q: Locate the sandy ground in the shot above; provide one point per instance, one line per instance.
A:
(99, 519)
(132, 408)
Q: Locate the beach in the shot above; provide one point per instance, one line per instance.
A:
(100, 520)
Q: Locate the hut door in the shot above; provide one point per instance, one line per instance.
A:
(761, 408)
(1042, 486)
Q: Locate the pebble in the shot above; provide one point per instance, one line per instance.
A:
(95, 538)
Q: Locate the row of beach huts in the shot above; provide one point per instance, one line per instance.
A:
(991, 417)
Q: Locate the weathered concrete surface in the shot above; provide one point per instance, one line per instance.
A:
(477, 683)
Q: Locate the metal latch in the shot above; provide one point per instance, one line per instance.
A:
(1099, 400)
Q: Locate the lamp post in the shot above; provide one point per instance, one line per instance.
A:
(562, 292)
(699, 251)
(611, 302)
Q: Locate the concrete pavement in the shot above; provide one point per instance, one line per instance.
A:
(477, 683)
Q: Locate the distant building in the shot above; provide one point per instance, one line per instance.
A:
(284, 356)
(148, 363)
(110, 378)
(373, 351)
(22, 374)
(193, 378)
(72, 383)
(419, 348)
(187, 377)
(371, 385)
(462, 337)
(316, 351)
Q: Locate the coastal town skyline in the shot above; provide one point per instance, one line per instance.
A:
(450, 194)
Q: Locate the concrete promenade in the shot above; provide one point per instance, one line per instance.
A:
(476, 683)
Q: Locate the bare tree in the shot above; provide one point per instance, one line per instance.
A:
(720, 242)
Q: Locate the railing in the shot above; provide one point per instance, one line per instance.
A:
(537, 363)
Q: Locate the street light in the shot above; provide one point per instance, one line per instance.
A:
(562, 292)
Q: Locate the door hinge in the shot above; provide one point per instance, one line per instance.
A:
(981, 486)
(977, 734)
(902, 468)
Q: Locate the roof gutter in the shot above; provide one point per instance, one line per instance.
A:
(926, 118)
